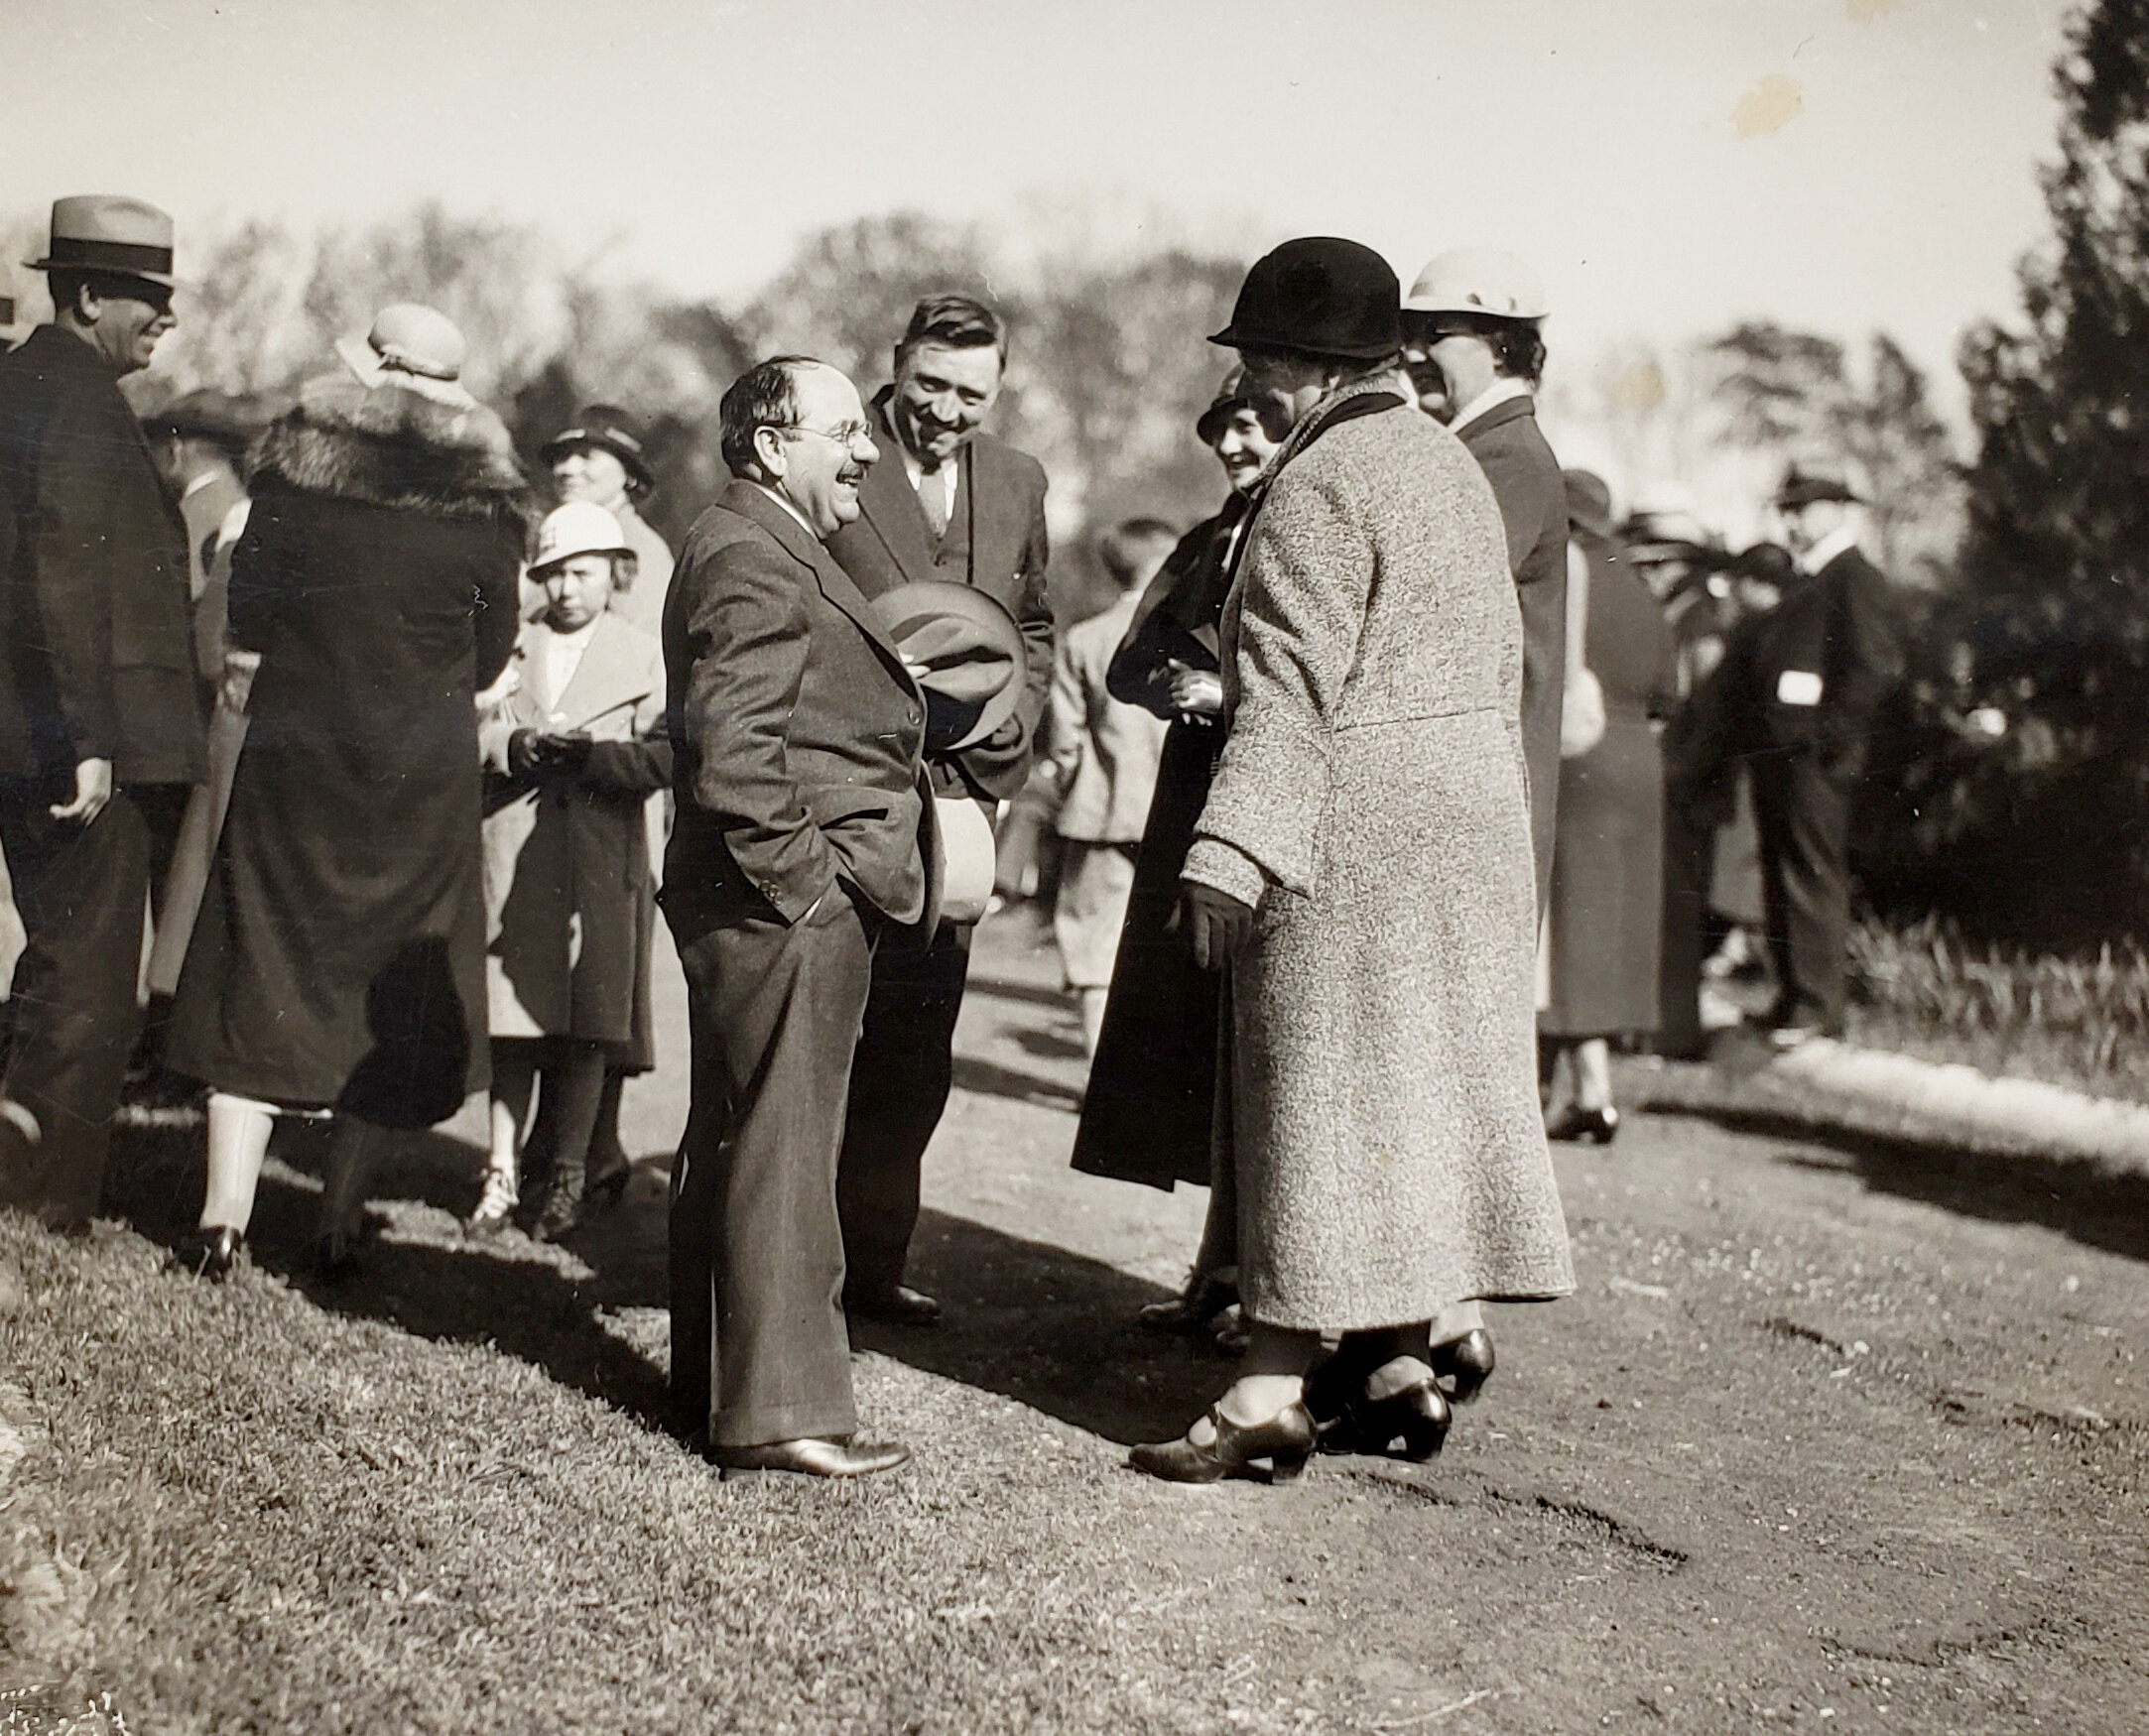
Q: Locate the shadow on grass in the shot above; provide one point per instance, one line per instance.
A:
(1027, 1319)
(430, 1284)
(1050, 1328)
(2093, 1205)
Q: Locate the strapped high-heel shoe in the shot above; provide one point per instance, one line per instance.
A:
(1285, 1440)
(1597, 1126)
(1466, 1363)
(213, 1252)
(1411, 1425)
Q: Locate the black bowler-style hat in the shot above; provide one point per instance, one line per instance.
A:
(1319, 296)
(1810, 488)
(608, 427)
(103, 232)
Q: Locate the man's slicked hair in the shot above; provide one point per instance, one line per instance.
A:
(1128, 544)
(764, 396)
(955, 322)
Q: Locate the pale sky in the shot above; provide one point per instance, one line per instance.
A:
(699, 141)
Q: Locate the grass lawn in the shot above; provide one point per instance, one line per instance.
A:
(238, 1510)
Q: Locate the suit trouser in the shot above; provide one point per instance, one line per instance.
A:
(1803, 810)
(899, 1085)
(759, 1347)
(80, 890)
(1688, 852)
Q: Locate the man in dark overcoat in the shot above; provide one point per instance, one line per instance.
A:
(1471, 345)
(798, 844)
(1813, 675)
(101, 726)
(949, 503)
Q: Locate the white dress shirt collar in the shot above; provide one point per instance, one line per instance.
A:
(1822, 553)
(784, 500)
(1503, 389)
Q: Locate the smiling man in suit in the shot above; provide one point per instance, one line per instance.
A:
(955, 505)
(100, 712)
(797, 732)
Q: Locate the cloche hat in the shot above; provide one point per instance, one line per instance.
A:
(105, 232)
(1229, 397)
(1319, 296)
(608, 427)
(1479, 280)
(580, 527)
(417, 346)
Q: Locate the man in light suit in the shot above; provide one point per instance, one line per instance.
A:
(797, 732)
(950, 502)
(100, 707)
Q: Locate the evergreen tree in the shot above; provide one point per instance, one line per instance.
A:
(2056, 562)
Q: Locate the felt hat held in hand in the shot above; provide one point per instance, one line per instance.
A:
(972, 653)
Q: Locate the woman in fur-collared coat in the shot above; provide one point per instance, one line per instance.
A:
(339, 958)
(1363, 865)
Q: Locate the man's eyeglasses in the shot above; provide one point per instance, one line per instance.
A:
(848, 435)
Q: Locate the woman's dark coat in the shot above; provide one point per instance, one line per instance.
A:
(1607, 898)
(339, 955)
(1147, 1112)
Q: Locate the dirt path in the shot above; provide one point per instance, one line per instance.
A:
(1812, 1444)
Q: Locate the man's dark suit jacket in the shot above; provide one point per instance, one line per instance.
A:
(96, 615)
(795, 728)
(1525, 476)
(995, 541)
(1837, 625)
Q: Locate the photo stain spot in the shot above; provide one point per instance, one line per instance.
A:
(1768, 107)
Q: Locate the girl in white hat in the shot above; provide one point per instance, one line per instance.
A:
(572, 753)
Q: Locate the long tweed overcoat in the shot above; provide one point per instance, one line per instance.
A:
(1372, 803)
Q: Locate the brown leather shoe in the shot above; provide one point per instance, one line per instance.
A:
(810, 1458)
(896, 1303)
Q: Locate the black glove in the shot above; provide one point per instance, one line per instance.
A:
(523, 752)
(570, 752)
(1216, 922)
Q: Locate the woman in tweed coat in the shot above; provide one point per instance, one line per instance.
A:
(1363, 864)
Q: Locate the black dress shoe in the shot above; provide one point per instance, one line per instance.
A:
(1597, 1126)
(1466, 1363)
(1203, 1299)
(810, 1458)
(896, 1303)
(1411, 1425)
(1284, 1440)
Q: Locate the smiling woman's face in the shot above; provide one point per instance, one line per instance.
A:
(1242, 445)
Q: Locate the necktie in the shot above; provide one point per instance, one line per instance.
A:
(933, 496)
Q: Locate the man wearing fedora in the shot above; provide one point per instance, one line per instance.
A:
(101, 704)
(1473, 346)
(1810, 677)
(952, 504)
(797, 731)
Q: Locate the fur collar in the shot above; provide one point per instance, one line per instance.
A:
(389, 447)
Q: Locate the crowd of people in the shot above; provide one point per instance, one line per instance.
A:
(1389, 797)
